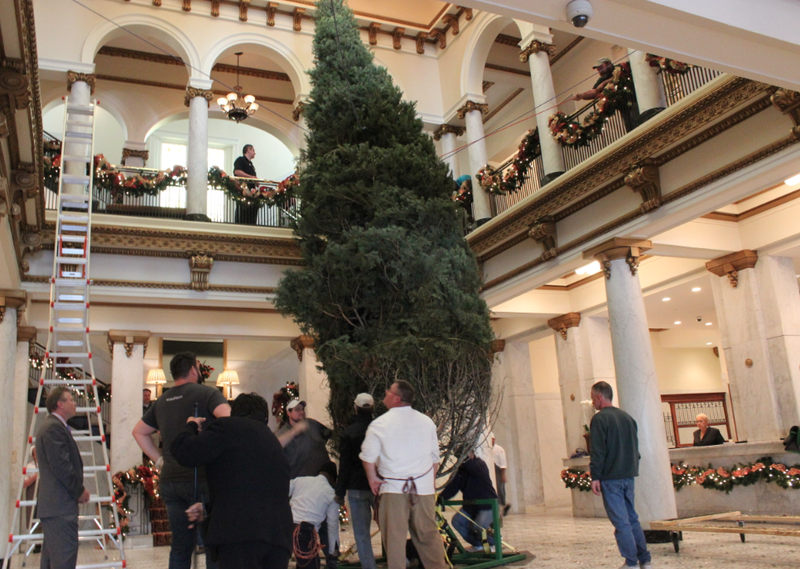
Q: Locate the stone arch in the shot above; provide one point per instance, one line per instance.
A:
(485, 31)
(295, 68)
(166, 32)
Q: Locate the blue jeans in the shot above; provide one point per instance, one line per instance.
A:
(618, 501)
(178, 496)
(469, 531)
(362, 503)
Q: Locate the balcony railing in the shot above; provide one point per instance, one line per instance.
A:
(676, 87)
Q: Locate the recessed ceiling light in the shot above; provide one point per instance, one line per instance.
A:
(666, 299)
(792, 181)
(709, 323)
(677, 322)
(709, 343)
(590, 269)
(696, 289)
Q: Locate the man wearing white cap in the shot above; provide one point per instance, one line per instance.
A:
(353, 480)
(303, 441)
(605, 69)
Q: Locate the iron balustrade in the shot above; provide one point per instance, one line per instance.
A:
(499, 203)
(676, 87)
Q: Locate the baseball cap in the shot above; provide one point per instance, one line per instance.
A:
(364, 400)
(294, 403)
(601, 61)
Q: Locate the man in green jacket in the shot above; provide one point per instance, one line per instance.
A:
(614, 464)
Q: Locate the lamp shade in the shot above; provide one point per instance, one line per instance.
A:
(228, 378)
(156, 376)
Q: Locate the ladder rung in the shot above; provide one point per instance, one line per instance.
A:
(74, 238)
(74, 198)
(69, 355)
(70, 321)
(72, 251)
(74, 179)
(80, 109)
(74, 217)
(73, 228)
(72, 139)
(71, 343)
(74, 297)
(79, 123)
(96, 409)
(67, 381)
(75, 274)
(100, 468)
(70, 365)
(79, 135)
(71, 261)
(69, 305)
(82, 533)
(68, 158)
(101, 565)
(87, 453)
(62, 329)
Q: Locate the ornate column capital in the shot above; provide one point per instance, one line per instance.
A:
(75, 76)
(11, 298)
(129, 338)
(619, 248)
(535, 47)
(26, 334)
(132, 153)
(301, 343)
(447, 129)
(561, 323)
(645, 181)
(200, 264)
(192, 92)
(298, 110)
(470, 106)
(787, 102)
(730, 265)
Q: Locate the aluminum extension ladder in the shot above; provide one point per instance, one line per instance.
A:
(70, 352)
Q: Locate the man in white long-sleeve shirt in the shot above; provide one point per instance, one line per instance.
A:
(401, 456)
(312, 499)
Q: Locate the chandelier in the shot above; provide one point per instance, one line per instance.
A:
(236, 106)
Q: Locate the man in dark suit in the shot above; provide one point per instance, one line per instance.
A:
(249, 518)
(60, 483)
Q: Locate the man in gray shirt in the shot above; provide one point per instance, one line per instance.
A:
(168, 415)
(303, 441)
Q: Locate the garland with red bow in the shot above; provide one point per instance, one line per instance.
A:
(142, 475)
(514, 176)
(669, 65)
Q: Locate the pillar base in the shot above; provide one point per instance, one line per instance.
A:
(480, 222)
(547, 178)
(647, 115)
(197, 217)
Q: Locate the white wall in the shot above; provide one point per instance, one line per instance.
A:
(686, 370)
(109, 137)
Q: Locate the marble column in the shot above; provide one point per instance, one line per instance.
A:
(516, 427)
(637, 384)
(447, 133)
(758, 311)
(198, 97)
(583, 350)
(127, 382)
(135, 154)
(537, 47)
(312, 382)
(472, 113)
(11, 303)
(649, 89)
(81, 89)
(19, 433)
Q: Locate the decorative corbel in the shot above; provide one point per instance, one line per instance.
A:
(298, 110)
(397, 36)
(301, 343)
(297, 18)
(619, 248)
(272, 8)
(730, 265)
(187, 5)
(157, 3)
(787, 102)
(535, 47)
(440, 36)
(215, 8)
(129, 339)
(562, 323)
(644, 180)
(243, 6)
(452, 21)
(544, 231)
(496, 346)
(372, 31)
(467, 13)
(192, 92)
(447, 129)
(421, 37)
(75, 76)
(200, 264)
(470, 106)
(16, 299)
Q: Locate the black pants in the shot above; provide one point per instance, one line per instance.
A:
(253, 555)
(303, 543)
(246, 214)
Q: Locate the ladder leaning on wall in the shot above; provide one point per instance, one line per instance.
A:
(70, 352)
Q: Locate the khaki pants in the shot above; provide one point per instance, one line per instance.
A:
(397, 517)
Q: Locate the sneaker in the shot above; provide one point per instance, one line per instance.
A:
(475, 549)
(626, 566)
(647, 565)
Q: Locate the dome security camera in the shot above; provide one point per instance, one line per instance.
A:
(579, 12)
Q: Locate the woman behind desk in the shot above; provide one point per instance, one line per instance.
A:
(704, 435)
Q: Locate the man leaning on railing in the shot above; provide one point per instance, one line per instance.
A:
(243, 168)
(605, 71)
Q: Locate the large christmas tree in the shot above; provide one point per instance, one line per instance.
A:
(389, 289)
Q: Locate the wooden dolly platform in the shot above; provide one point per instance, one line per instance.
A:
(677, 526)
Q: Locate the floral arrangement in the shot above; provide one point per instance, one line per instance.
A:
(709, 477)
(205, 371)
(281, 399)
(616, 95)
(513, 178)
(666, 64)
(144, 475)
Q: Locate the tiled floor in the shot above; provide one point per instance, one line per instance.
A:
(558, 541)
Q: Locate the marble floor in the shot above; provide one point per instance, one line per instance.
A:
(559, 541)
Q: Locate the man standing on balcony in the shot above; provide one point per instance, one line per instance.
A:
(605, 70)
(246, 214)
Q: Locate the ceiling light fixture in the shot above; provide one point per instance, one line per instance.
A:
(709, 323)
(236, 106)
(666, 299)
(709, 343)
(793, 180)
(677, 322)
(696, 289)
(590, 269)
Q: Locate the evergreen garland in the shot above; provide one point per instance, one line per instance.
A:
(512, 178)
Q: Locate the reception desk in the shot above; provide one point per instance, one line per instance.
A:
(694, 500)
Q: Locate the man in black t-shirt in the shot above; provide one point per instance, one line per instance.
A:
(243, 168)
(168, 415)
